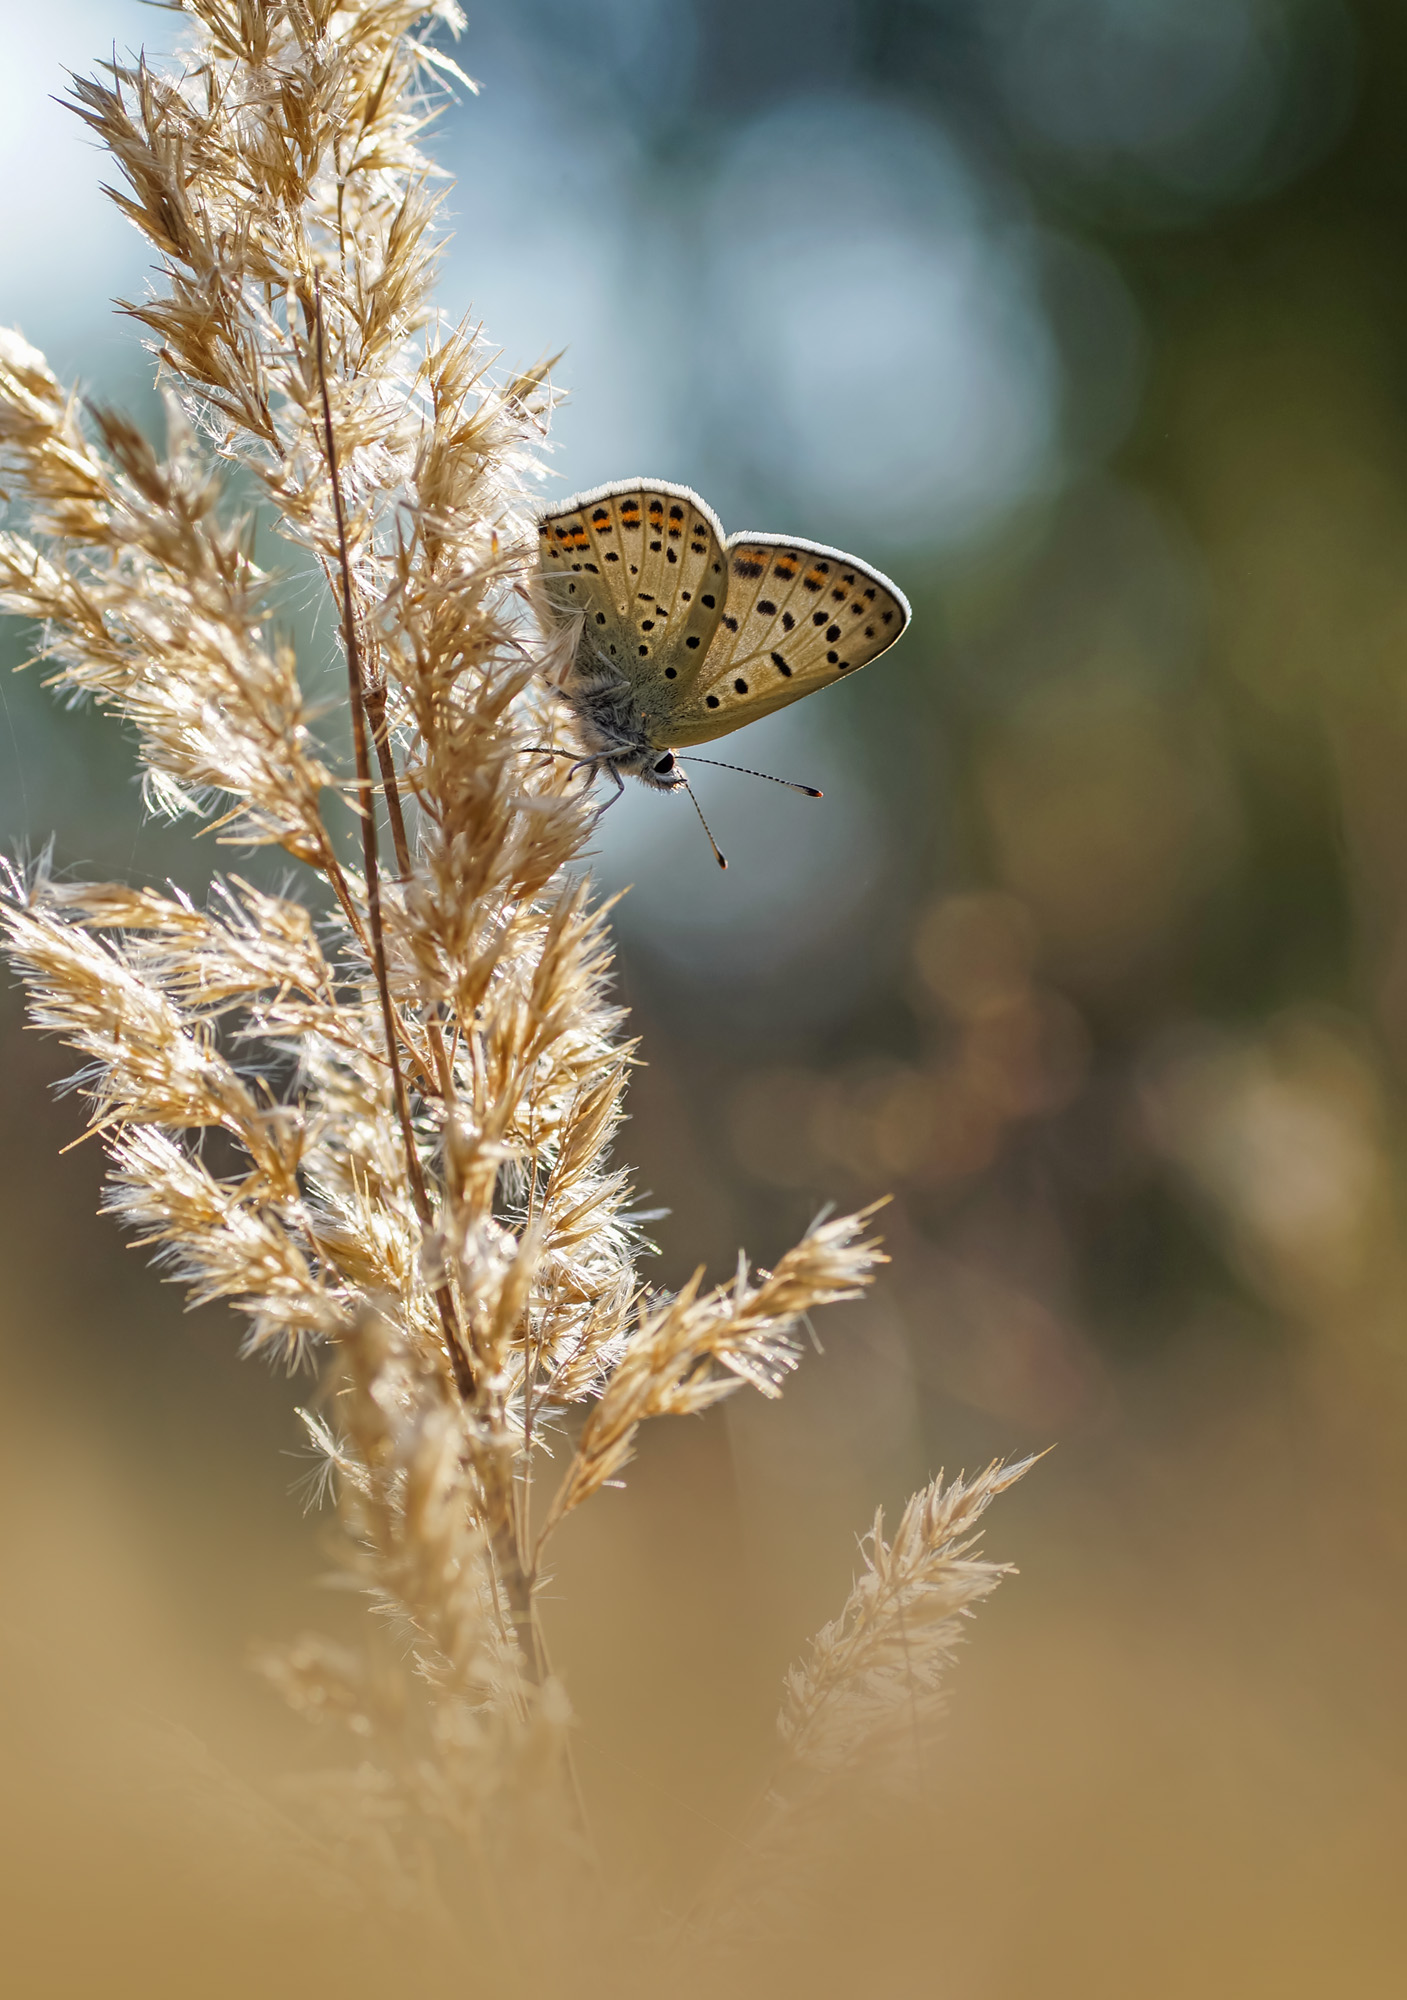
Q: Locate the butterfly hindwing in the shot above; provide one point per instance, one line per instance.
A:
(797, 616)
(681, 555)
(639, 558)
(582, 567)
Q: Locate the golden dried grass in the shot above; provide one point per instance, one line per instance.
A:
(416, 1063)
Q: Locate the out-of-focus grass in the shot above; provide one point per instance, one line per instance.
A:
(1175, 1756)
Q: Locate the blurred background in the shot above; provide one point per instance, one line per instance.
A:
(1086, 320)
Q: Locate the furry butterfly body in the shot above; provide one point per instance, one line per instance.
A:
(684, 635)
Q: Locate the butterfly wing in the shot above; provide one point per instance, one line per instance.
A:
(644, 561)
(797, 617)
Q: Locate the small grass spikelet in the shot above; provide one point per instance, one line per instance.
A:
(871, 1685)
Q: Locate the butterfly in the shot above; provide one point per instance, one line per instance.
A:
(684, 635)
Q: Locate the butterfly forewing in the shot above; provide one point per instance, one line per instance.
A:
(797, 616)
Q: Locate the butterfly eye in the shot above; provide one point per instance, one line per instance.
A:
(666, 763)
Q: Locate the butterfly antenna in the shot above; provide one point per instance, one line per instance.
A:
(702, 821)
(810, 790)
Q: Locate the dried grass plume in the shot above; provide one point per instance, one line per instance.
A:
(411, 1053)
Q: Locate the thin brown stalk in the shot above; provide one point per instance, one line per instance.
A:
(366, 812)
(375, 698)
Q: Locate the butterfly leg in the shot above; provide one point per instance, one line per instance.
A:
(602, 811)
(595, 764)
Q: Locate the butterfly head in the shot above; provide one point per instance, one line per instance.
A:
(657, 768)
